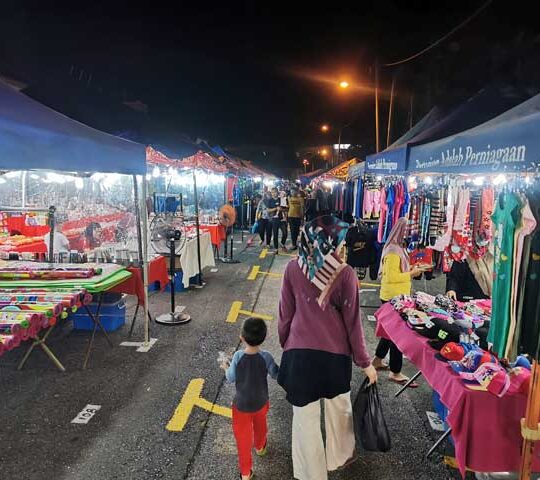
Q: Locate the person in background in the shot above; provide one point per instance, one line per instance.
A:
(60, 242)
(92, 234)
(275, 216)
(471, 279)
(321, 333)
(249, 370)
(296, 214)
(265, 227)
(312, 206)
(284, 211)
(395, 274)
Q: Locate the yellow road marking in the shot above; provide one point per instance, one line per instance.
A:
(236, 311)
(191, 398)
(256, 270)
(365, 284)
(264, 252)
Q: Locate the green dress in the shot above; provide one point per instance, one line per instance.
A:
(505, 219)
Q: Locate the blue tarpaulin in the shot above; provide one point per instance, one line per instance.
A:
(394, 158)
(33, 136)
(509, 142)
(440, 123)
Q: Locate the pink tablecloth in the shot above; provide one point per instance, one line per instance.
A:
(485, 428)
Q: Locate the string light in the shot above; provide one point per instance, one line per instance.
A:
(499, 179)
(478, 181)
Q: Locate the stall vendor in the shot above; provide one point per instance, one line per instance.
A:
(470, 279)
(93, 235)
(60, 242)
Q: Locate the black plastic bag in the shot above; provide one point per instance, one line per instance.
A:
(369, 424)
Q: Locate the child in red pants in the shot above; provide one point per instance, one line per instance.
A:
(249, 369)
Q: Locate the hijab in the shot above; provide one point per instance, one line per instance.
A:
(394, 244)
(320, 240)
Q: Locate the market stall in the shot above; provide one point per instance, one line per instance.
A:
(36, 143)
(476, 203)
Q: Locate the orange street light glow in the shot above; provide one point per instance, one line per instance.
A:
(343, 84)
(324, 152)
(325, 128)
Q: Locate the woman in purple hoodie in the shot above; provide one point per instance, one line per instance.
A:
(320, 330)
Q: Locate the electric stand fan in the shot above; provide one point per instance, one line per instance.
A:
(167, 233)
(227, 217)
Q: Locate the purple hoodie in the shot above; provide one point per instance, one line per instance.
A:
(304, 325)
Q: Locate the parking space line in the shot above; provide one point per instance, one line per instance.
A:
(190, 399)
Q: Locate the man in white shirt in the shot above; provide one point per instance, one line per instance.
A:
(61, 243)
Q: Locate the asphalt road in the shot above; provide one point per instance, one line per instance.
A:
(139, 393)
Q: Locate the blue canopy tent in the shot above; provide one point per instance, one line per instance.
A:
(507, 143)
(33, 136)
(394, 158)
(481, 107)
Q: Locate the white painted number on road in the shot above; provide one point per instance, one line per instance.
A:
(86, 414)
(435, 421)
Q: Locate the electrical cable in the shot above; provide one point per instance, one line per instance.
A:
(443, 38)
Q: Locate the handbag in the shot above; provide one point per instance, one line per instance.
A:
(255, 227)
(369, 424)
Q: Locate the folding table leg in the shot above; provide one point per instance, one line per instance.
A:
(97, 323)
(442, 438)
(133, 320)
(46, 349)
(411, 380)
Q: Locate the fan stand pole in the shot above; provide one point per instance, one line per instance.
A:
(173, 317)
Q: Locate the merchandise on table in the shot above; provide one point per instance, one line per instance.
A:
(21, 320)
(35, 272)
(453, 328)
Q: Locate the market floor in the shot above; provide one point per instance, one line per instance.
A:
(139, 393)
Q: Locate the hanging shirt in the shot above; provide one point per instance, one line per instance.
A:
(505, 219)
(526, 226)
(529, 336)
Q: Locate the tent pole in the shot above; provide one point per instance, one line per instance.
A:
(144, 213)
(138, 217)
(200, 281)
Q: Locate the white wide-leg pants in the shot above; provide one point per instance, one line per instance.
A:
(310, 462)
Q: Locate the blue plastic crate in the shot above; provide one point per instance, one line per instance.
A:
(112, 315)
(441, 410)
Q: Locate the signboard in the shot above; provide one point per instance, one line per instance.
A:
(387, 162)
(511, 146)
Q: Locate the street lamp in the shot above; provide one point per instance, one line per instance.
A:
(325, 128)
(343, 84)
(306, 163)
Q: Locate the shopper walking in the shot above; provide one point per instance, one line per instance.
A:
(275, 214)
(296, 214)
(249, 370)
(395, 274)
(321, 333)
(265, 228)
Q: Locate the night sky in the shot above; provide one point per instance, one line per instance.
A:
(261, 72)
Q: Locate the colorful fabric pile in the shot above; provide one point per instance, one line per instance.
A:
(25, 312)
(47, 273)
